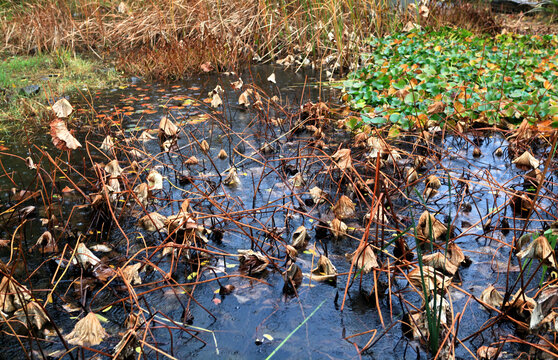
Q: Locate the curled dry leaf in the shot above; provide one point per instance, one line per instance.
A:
(155, 180)
(237, 85)
(146, 136)
(430, 228)
(107, 144)
(142, 193)
(87, 332)
(113, 168)
(153, 222)
(47, 243)
(62, 108)
(32, 314)
(487, 352)
(433, 182)
(291, 252)
(492, 297)
(252, 262)
(343, 159)
(439, 305)
(541, 250)
(131, 274)
(293, 278)
(526, 160)
(324, 271)
(545, 313)
(271, 78)
(13, 295)
(414, 325)
(222, 154)
(29, 162)
(433, 280)
(297, 180)
(440, 262)
(379, 217)
(61, 136)
(436, 108)
(344, 208)
(412, 175)
(364, 259)
(85, 257)
(338, 228)
(522, 304)
(318, 195)
(216, 100)
(192, 160)
(244, 98)
(232, 178)
(300, 238)
(166, 128)
(534, 178)
(204, 146)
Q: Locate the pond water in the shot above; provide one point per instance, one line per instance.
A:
(261, 213)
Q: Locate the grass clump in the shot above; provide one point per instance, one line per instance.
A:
(420, 76)
(56, 74)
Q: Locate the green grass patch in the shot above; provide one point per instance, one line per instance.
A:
(57, 74)
(411, 78)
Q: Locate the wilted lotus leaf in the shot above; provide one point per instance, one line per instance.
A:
(34, 314)
(440, 262)
(153, 222)
(107, 144)
(29, 162)
(526, 160)
(291, 252)
(252, 262)
(343, 159)
(433, 182)
(155, 180)
(271, 78)
(216, 100)
(131, 274)
(324, 271)
(61, 137)
(204, 146)
(237, 85)
(113, 168)
(293, 278)
(103, 272)
(244, 99)
(412, 175)
(487, 352)
(126, 347)
(146, 136)
(87, 332)
(436, 108)
(62, 108)
(545, 310)
(232, 178)
(363, 259)
(393, 156)
(47, 243)
(167, 128)
(222, 154)
(534, 178)
(433, 280)
(430, 228)
(541, 250)
(318, 195)
(300, 238)
(522, 304)
(492, 297)
(424, 11)
(344, 208)
(414, 325)
(142, 193)
(379, 215)
(169, 144)
(12, 295)
(455, 254)
(338, 228)
(180, 221)
(192, 160)
(297, 180)
(440, 306)
(85, 257)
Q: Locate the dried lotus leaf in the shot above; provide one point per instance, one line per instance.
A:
(526, 160)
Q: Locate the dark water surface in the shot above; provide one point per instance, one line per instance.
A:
(255, 309)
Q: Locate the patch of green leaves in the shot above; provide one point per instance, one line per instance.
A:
(508, 77)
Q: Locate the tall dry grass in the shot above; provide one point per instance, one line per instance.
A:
(193, 32)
